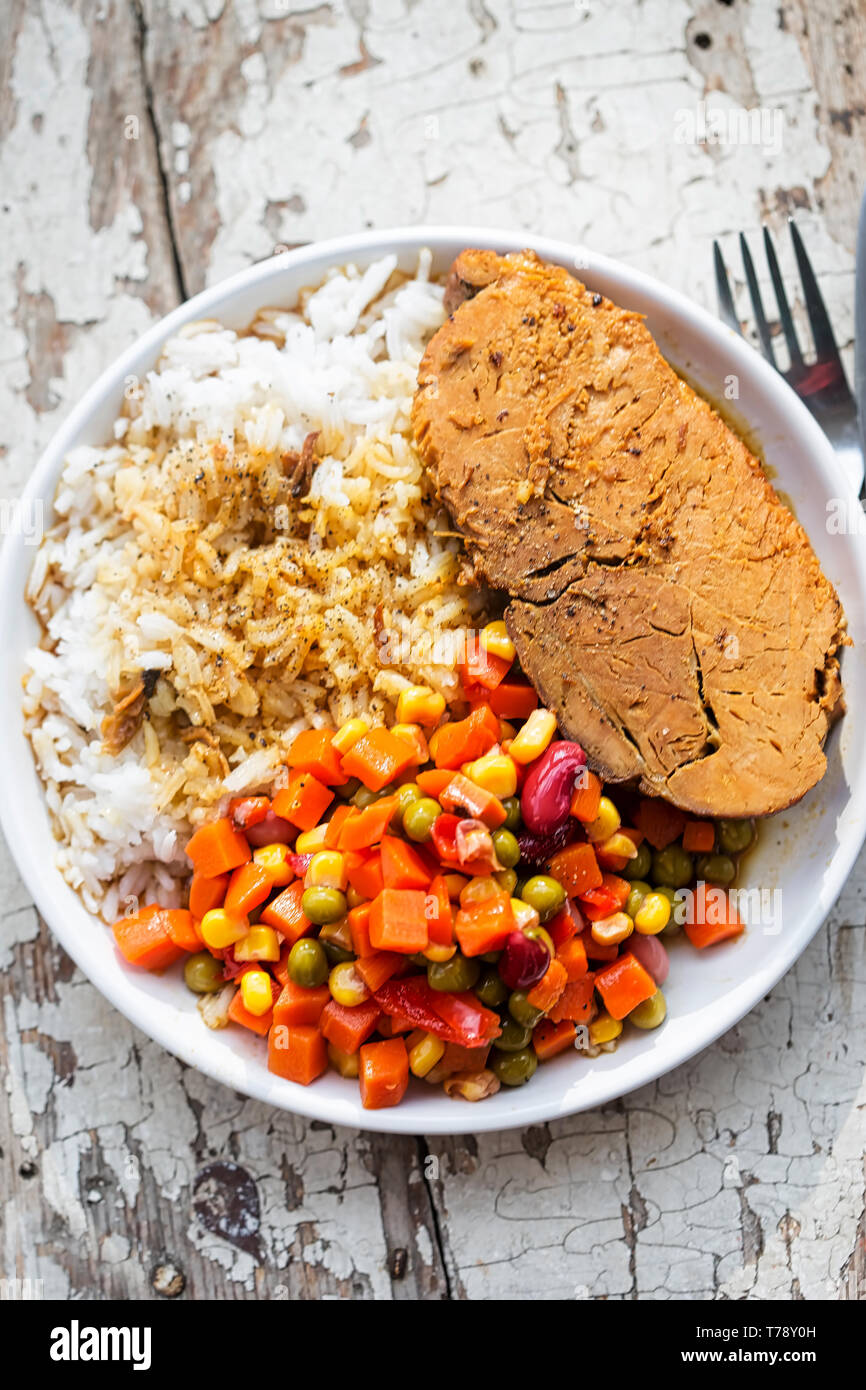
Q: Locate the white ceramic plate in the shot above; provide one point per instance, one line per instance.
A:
(805, 853)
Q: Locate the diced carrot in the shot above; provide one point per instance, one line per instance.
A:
(280, 968)
(348, 1028)
(413, 737)
(434, 781)
(576, 868)
(456, 1057)
(381, 966)
(660, 822)
(699, 836)
(624, 984)
(513, 700)
(181, 929)
(336, 823)
(572, 955)
(599, 950)
(545, 993)
(587, 797)
(576, 1002)
(465, 795)
(711, 917)
(304, 801)
(548, 1038)
(364, 871)
(440, 913)
(248, 888)
(377, 758)
(297, 1005)
(239, 1013)
(286, 914)
(480, 667)
(145, 939)
(297, 1053)
(216, 848)
(384, 1073)
(359, 926)
(398, 920)
(618, 887)
(484, 926)
(368, 826)
(247, 811)
(609, 897)
(206, 893)
(312, 751)
(463, 740)
(402, 865)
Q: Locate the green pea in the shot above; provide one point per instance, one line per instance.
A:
(308, 965)
(640, 866)
(507, 848)
(513, 1037)
(513, 1068)
(672, 867)
(337, 954)
(734, 836)
(674, 925)
(454, 975)
(349, 789)
(409, 792)
(364, 797)
(491, 990)
(650, 1013)
(716, 868)
(639, 890)
(323, 905)
(544, 894)
(202, 973)
(418, 818)
(490, 957)
(513, 818)
(521, 1010)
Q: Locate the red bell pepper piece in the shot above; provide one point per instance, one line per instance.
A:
(457, 1018)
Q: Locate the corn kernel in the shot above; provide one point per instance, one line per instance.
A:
(346, 1063)
(606, 823)
(610, 931)
(478, 890)
(534, 737)
(274, 859)
(349, 733)
(256, 992)
(327, 869)
(524, 915)
(604, 1029)
(418, 704)
(311, 840)
(623, 846)
(346, 985)
(455, 883)
(438, 951)
(220, 929)
(495, 772)
(260, 943)
(413, 735)
(425, 1054)
(495, 640)
(653, 914)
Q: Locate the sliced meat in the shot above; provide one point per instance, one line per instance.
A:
(664, 601)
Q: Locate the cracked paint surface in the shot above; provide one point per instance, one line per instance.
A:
(158, 145)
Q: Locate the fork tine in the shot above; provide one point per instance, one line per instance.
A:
(782, 300)
(757, 302)
(825, 343)
(723, 291)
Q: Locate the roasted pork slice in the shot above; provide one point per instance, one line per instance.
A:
(665, 602)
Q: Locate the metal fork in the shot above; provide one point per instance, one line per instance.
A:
(821, 384)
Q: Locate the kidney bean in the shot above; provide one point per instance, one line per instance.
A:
(651, 954)
(523, 961)
(537, 850)
(273, 830)
(549, 787)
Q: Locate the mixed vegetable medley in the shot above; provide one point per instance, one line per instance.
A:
(455, 899)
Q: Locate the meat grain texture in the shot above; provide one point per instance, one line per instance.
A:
(664, 601)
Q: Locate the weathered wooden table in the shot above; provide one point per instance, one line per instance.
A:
(149, 148)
